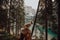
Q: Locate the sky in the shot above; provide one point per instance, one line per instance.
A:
(32, 3)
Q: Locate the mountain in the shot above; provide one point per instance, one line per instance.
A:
(29, 13)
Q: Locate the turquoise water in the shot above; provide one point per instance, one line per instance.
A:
(49, 31)
(52, 33)
(39, 27)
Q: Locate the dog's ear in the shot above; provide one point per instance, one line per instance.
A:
(31, 22)
(28, 25)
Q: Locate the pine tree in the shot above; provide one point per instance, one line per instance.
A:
(12, 15)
